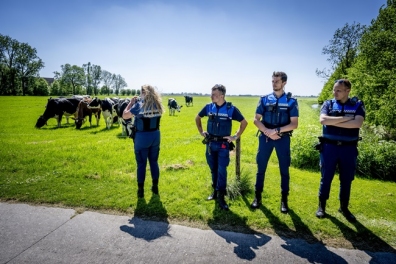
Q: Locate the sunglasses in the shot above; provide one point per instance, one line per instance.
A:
(218, 86)
(345, 82)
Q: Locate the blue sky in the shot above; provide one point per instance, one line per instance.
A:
(188, 46)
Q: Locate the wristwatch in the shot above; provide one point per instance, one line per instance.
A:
(277, 130)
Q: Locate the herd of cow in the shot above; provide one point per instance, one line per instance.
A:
(80, 107)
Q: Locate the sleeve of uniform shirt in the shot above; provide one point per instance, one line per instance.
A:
(135, 109)
(294, 109)
(325, 108)
(237, 115)
(260, 107)
(361, 111)
(203, 112)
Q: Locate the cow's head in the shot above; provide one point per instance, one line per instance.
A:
(40, 122)
(96, 102)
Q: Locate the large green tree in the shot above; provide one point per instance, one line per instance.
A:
(342, 49)
(72, 76)
(18, 63)
(118, 83)
(374, 73)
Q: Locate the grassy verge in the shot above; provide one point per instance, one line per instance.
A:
(94, 168)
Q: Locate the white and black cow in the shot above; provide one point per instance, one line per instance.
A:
(126, 123)
(83, 111)
(56, 108)
(108, 107)
(173, 106)
(189, 100)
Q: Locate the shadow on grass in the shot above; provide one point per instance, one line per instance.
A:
(140, 225)
(245, 243)
(301, 241)
(363, 238)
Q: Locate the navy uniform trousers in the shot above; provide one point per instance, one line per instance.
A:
(147, 146)
(218, 158)
(282, 148)
(345, 157)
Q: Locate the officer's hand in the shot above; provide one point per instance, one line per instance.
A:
(204, 133)
(230, 138)
(270, 132)
(274, 136)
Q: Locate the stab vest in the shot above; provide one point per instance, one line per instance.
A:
(277, 110)
(219, 119)
(148, 120)
(338, 109)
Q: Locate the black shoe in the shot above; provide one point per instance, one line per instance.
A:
(348, 215)
(256, 203)
(320, 213)
(284, 207)
(140, 192)
(220, 199)
(154, 189)
(212, 196)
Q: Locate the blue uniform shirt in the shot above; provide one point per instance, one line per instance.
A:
(220, 118)
(145, 120)
(334, 108)
(276, 112)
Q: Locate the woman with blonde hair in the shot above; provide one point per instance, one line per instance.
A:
(147, 111)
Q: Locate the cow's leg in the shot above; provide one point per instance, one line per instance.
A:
(59, 120)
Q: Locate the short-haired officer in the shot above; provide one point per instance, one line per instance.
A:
(276, 117)
(341, 118)
(218, 139)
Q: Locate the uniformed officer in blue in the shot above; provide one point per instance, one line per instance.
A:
(341, 118)
(276, 117)
(218, 139)
(147, 111)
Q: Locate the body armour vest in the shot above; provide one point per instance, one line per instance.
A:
(219, 119)
(277, 110)
(338, 109)
(148, 120)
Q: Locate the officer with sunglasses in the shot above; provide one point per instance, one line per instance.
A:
(276, 117)
(218, 139)
(341, 117)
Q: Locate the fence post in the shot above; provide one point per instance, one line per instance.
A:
(238, 159)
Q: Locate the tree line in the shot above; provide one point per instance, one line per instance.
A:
(20, 67)
(366, 55)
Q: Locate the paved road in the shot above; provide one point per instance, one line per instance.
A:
(38, 234)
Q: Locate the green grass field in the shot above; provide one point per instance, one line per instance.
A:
(94, 169)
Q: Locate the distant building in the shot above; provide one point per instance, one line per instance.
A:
(49, 80)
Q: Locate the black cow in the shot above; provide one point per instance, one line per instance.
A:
(83, 111)
(126, 123)
(189, 100)
(108, 107)
(56, 108)
(173, 105)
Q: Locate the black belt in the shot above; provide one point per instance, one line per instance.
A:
(338, 142)
(217, 139)
(148, 130)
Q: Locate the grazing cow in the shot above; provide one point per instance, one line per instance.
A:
(173, 105)
(126, 123)
(108, 110)
(56, 108)
(189, 100)
(83, 111)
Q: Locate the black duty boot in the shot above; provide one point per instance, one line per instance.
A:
(140, 192)
(257, 201)
(154, 188)
(345, 211)
(321, 212)
(284, 206)
(213, 195)
(223, 205)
